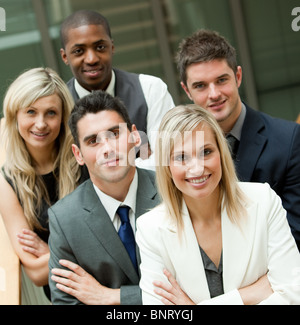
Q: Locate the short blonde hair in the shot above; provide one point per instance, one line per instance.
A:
(30, 86)
(179, 120)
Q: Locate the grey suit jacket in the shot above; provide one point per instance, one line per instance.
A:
(129, 90)
(82, 232)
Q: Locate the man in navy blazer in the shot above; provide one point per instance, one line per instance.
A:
(265, 149)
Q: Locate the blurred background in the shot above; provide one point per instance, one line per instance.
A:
(146, 35)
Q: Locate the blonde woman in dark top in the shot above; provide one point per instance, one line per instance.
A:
(39, 169)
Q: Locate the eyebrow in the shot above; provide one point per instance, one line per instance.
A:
(208, 144)
(94, 43)
(203, 82)
(47, 108)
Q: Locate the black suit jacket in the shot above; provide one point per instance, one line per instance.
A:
(81, 231)
(269, 151)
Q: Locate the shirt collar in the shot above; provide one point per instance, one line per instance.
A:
(236, 131)
(82, 92)
(111, 205)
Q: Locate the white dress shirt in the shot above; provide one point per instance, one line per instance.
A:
(111, 205)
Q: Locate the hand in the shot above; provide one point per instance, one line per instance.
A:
(81, 285)
(32, 243)
(257, 291)
(171, 292)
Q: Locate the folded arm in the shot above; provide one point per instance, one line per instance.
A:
(34, 257)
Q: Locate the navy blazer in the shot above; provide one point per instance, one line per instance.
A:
(269, 151)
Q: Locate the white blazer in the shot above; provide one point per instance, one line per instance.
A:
(261, 244)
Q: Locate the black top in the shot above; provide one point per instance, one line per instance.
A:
(52, 189)
(51, 186)
(214, 275)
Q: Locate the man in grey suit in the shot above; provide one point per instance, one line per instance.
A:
(88, 262)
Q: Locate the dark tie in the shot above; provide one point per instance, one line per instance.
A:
(126, 234)
(233, 144)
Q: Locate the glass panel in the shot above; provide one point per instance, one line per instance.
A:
(187, 16)
(20, 44)
(132, 27)
(275, 52)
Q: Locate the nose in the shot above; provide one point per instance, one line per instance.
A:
(91, 57)
(107, 149)
(40, 122)
(214, 92)
(196, 166)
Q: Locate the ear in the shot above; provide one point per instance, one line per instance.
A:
(185, 88)
(135, 136)
(64, 56)
(112, 47)
(77, 154)
(239, 76)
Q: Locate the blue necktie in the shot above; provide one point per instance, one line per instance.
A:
(126, 234)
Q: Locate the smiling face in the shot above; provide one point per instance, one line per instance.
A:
(106, 147)
(88, 51)
(39, 124)
(195, 164)
(214, 86)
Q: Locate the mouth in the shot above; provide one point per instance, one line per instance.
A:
(39, 134)
(93, 73)
(111, 163)
(217, 105)
(198, 180)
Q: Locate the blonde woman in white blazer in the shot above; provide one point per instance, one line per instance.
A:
(241, 227)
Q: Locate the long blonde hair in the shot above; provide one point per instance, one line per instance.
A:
(18, 167)
(177, 121)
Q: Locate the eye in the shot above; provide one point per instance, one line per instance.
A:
(92, 141)
(52, 113)
(101, 48)
(77, 51)
(199, 86)
(222, 80)
(180, 158)
(30, 111)
(207, 152)
(113, 134)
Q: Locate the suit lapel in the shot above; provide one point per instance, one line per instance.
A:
(71, 86)
(147, 198)
(187, 261)
(237, 247)
(251, 145)
(186, 258)
(100, 224)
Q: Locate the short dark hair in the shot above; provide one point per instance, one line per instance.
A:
(204, 46)
(94, 103)
(82, 18)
